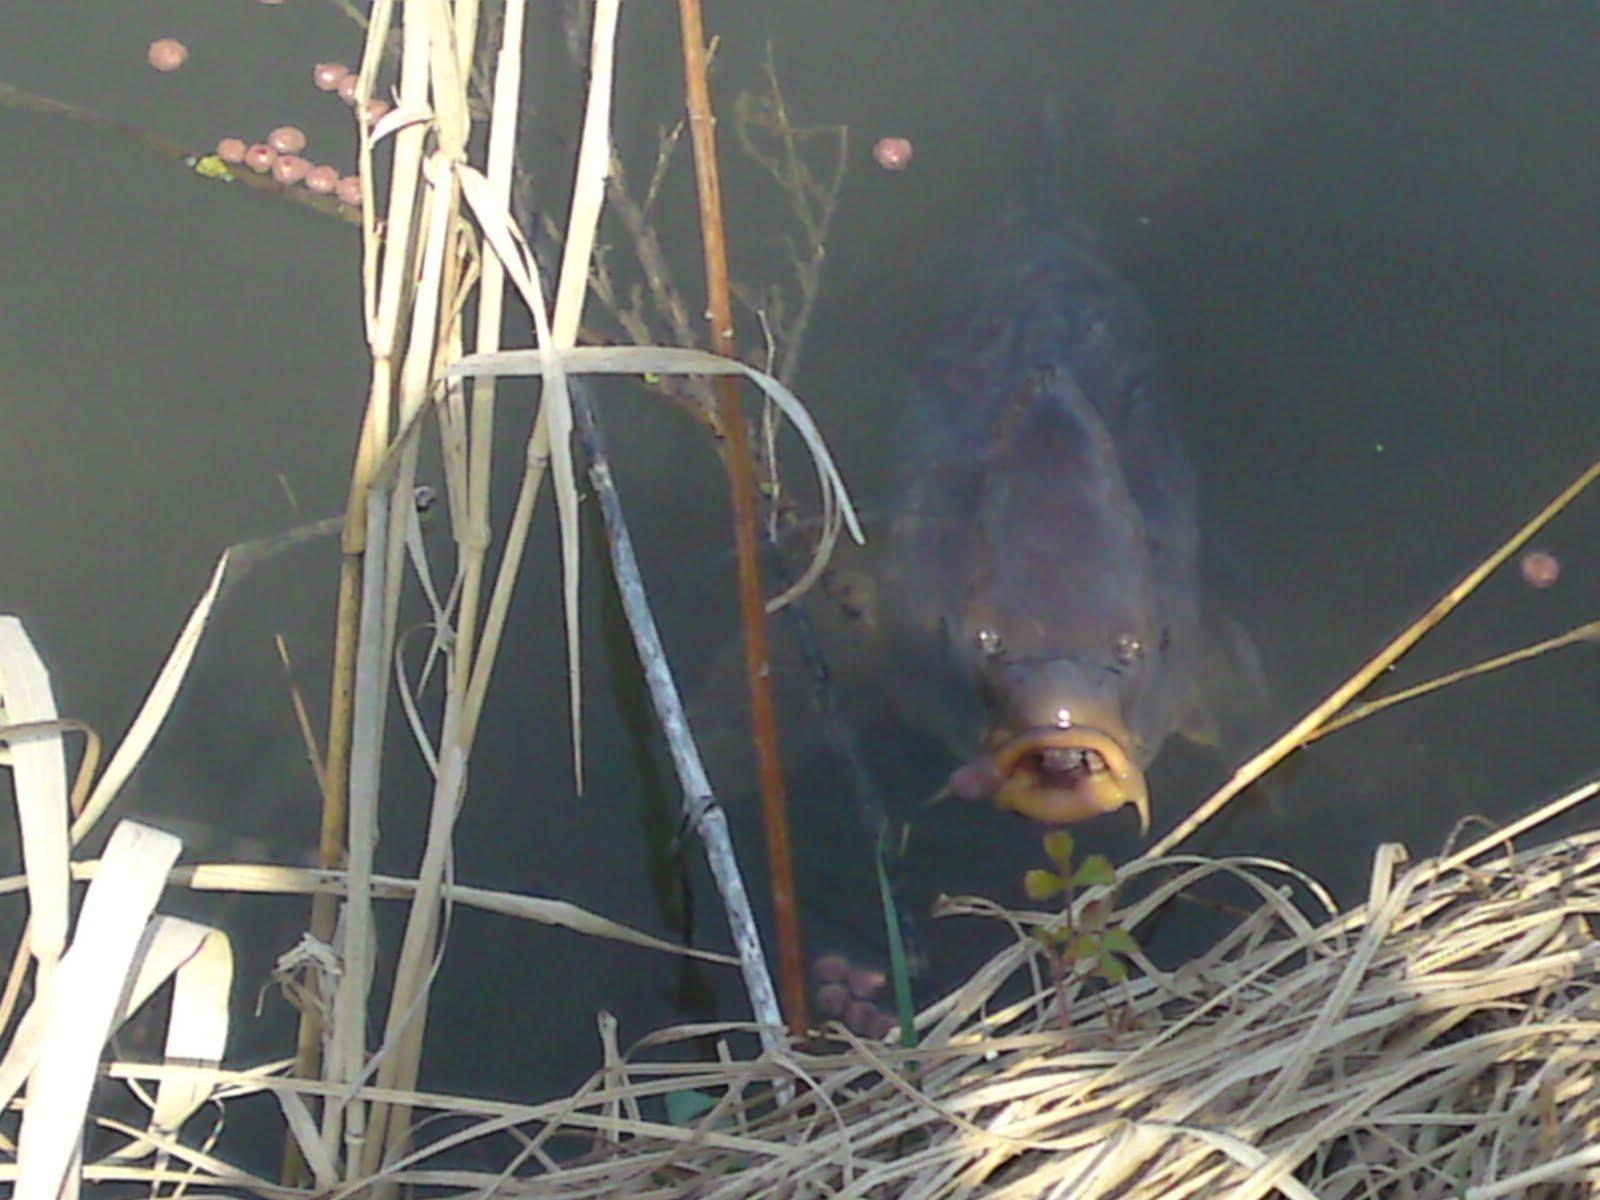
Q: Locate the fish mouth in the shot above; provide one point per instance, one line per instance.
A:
(1059, 776)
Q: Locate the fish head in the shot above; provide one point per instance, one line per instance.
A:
(1058, 747)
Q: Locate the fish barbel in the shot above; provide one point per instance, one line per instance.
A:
(1041, 595)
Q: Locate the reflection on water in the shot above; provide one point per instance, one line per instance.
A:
(1365, 232)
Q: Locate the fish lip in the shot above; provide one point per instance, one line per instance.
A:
(1022, 790)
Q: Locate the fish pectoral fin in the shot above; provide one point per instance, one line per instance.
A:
(1199, 725)
(1227, 705)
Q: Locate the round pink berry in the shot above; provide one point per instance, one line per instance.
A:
(167, 54)
(327, 75)
(348, 190)
(287, 139)
(322, 179)
(1539, 568)
(347, 88)
(260, 157)
(833, 999)
(376, 110)
(231, 150)
(860, 1017)
(290, 168)
(892, 153)
(866, 982)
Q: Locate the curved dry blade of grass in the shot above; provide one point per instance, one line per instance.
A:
(153, 712)
(670, 360)
(199, 961)
(269, 879)
(71, 1018)
(39, 784)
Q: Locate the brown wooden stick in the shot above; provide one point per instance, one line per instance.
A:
(741, 487)
(1302, 730)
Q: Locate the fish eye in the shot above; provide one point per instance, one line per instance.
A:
(990, 641)
(1128, 648)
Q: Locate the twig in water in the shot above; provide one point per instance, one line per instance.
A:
(741, 486)
(1301, 731)
(700, 809)
(308, 736)
(1589, 632)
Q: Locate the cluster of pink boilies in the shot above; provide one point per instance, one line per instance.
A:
(849, 992)
(282, 155)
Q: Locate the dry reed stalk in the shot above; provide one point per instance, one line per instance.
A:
(1302, 730)
(1589, 631)
(741, 489)
(356, 711)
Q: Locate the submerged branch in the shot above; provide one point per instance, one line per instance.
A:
(701, 812)
(741, 487)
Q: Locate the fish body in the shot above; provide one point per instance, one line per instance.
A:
(1041, 594)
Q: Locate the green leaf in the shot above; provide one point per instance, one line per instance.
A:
(1112, 969)
(683, 1107)
(1119, 941)
(899, 967)
(1083, 947)
(1041, 885)
(1096, 871)
(1058, 845)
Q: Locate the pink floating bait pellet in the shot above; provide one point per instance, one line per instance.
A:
(260, 157)
(327, 75)
(832, 999)
(290, 168)
(1539, 569)
(348, 189)
(231, 150)
(322, 180)
(376, 110)
(167, 54)
(347, 88)
(892, 153)
(287, 139)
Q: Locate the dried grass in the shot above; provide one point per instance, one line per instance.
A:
(1435, 1041)
(1431, 1042)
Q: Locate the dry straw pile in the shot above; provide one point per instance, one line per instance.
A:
(1437, 1041)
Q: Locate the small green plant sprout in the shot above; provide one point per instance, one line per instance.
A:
(1084, 942)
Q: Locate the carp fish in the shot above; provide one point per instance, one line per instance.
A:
(1040, 591)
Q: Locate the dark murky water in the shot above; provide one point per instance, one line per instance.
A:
(1367, 232)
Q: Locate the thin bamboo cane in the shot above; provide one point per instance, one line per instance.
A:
(741, 489)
